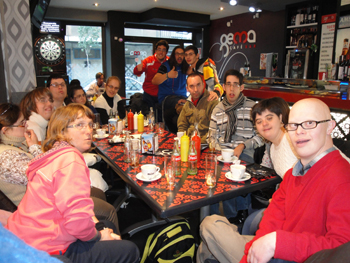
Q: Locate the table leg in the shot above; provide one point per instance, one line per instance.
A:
(205, 211)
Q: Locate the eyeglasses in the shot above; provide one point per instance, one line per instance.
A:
(80, 96)
(306, 125)
(44, 100)
(22, 124)
(55, 85)
(161, 49)
(81, 126)
(179, 54)
(234, 84)
(8, 107)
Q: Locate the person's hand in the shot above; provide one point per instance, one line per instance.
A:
(262, 249)
(31, 137)
(238, 150)
(213, 96)
(182, 101)
(139, 66)
(107, 234)
(172, 74)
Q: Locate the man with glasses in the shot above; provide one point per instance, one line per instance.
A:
(234, 129)
(206, 67)
(57, 85)
(97, 87)
(308, 213)
(150, 66)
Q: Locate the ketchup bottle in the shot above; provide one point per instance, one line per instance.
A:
(130, 121)
(197, 141)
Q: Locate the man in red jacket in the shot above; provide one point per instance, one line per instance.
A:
(150, 66)
(308, 213)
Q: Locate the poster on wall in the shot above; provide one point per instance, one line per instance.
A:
(326, 45)
(345, 2)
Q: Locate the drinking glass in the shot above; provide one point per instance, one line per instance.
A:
(160, 127)
(210, 170)
(134, 153)
(212, 140)
(169, 170)
(96, 121)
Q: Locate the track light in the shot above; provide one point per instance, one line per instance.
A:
(252, 9)
(233, 2)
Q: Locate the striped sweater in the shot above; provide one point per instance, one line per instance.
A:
(245, 132)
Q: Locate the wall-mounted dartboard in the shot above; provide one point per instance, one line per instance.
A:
(50, 50)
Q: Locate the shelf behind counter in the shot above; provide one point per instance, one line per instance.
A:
(291, 95)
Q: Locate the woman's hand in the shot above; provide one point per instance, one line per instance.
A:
(31, 137)
(107, 234)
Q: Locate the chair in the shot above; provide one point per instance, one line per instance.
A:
(342, 145)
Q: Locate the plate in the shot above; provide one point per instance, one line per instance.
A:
(140, 177)
(246, 177)
(220, 159)
(103, 137)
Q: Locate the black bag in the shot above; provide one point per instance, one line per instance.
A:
(260, 199)
(172, 243)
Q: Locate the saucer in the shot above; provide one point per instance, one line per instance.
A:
(220, 159)
(246, 177)
(140, 177)
(103, 137)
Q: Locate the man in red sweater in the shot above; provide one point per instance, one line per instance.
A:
(150, 66)
(308, 213)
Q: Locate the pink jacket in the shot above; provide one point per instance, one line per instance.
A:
(56, 210)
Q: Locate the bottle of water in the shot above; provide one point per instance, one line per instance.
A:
(192, 159)
(176, 157)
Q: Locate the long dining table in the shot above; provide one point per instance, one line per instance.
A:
(190, 191)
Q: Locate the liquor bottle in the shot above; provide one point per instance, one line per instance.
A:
(309, 16)
(302, 17)
(185, 143)
(341, 67)
(176, 157)
(315, 14)
(135, 121)
(346, 68)
(127, 145)
(292, 21)
(345, 47)
(151, 120)
(197, 141)
(130, 121)
(192, 159)
(140, 122)
(306, 20)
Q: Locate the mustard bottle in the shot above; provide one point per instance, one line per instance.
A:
(140, 123)
(185, 145)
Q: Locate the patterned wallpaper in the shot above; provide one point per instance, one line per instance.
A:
(16, 44)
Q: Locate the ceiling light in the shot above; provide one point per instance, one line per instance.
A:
(95, 4)
(252, 9)
(221, 8)
(258, 10)
(233, 2)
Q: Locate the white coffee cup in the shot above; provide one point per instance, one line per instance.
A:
(227, 154)
(237, 171)
(100, 132)
(149, 170)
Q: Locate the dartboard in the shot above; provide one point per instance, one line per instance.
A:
(49, 50)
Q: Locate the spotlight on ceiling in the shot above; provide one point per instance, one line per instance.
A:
(258, 10)
(252, 9)
(221, 8)
(233, 2)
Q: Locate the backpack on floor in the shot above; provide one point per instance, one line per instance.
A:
(171, 243)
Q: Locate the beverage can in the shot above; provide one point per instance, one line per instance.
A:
(112, 126)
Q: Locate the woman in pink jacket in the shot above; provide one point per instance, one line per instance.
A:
(56, 213)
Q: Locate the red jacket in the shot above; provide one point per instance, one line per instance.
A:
(309, 213)
(57, 209)
(150, 66)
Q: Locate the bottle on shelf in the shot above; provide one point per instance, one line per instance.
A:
(341, 67)
(292, 21)
(306, 15)
(130, 121)
(301, 16)
(192, 159)
(315, 14)
(176, 157)
(309, 16)
(185, 144)
(346, 68)
(345, 47)
(140, 122)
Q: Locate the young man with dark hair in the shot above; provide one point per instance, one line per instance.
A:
(97, 87)
(206, 67)
(58, 87)
(197, 108)
(150, 66)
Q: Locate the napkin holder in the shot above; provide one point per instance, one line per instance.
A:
(149, 143)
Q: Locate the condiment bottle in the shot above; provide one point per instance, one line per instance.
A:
(185, 141)
(197, 141)
(192, 159)
(130, 121)
(176, 157)
(135, 121)
(140, 122)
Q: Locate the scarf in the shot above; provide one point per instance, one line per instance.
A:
(230, 110)
(19, 142)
